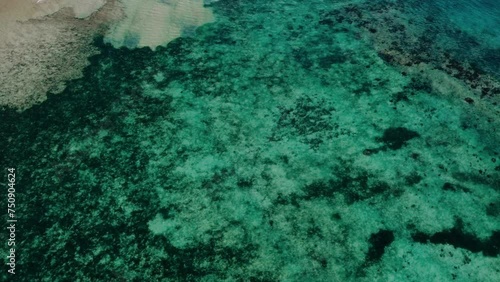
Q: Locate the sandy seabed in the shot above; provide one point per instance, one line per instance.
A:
(45, 43)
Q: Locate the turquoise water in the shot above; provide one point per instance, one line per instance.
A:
(286, 141)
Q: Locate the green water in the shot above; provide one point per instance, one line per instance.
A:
(279, 143)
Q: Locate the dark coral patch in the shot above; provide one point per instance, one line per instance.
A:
(458, 238)
(378, 242)
(395, 138)
(336, 58)
(493, 209)
(454, 187)
(353, 186)
(413, 179)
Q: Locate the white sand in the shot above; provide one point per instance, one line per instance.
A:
(44, 44)
(152, 23)
(24, 10)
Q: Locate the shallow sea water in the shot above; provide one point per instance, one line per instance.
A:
(285, 141)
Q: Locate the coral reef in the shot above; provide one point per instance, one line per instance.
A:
(285, 141)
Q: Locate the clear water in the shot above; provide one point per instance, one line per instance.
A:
(286, 141)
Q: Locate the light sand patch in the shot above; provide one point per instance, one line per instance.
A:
(153, 23)
(23, 10)
(43, 45)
